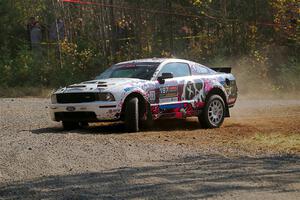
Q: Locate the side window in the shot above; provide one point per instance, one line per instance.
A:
(177, 69)
(199, 69)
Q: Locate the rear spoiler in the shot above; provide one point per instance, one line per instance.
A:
(222, 69)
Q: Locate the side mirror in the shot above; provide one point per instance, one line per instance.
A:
(161, 79)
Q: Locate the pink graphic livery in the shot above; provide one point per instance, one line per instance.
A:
(141, 91)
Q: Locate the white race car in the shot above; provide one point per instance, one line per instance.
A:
(141, 91)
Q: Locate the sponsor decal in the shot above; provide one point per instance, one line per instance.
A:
(171, 106)
(166, 100)
(128, 89)
(152, 96)
(168, 92)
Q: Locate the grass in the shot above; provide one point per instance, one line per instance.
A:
(279, 142)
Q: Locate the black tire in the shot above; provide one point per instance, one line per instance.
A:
(213, 113)
(132, 115)
(83, 124)
(70, 125)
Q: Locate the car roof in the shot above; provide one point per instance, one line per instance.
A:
(155, 60)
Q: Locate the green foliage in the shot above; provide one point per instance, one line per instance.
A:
(259, 38)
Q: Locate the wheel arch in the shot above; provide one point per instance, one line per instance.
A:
(142, 103)
(221, 93)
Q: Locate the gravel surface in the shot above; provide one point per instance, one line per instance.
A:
(174, 160)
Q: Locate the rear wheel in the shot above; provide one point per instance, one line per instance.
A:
(132, 115)
(213, 113)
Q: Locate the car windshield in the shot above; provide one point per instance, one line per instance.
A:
(130, 70)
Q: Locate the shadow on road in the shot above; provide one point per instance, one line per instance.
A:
(189, 178)
(118, 127)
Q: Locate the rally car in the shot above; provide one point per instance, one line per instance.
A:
(141, 91)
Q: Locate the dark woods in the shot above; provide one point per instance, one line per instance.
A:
(56, 42)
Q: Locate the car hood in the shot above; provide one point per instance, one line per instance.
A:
(110, 84)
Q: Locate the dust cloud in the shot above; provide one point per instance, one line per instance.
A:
(258, 81)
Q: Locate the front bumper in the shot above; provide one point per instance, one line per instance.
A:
(89, 112)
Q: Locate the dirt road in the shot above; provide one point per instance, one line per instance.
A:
(255, 155)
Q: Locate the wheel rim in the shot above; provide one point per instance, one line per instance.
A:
(215, 112)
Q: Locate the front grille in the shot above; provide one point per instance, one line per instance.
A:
(76, 97)
(76, 116)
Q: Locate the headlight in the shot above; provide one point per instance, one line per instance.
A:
(53, 98)
(106, 96)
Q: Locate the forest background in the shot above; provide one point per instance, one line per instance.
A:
(75, 40)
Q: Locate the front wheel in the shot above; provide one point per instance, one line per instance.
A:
(132, 115)
(68, 126)
(214, 112)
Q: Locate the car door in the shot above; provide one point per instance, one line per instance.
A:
(172, 89)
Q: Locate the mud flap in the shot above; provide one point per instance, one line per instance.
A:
(227, 113)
